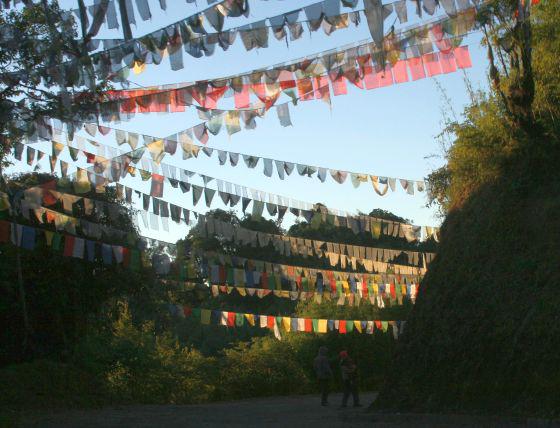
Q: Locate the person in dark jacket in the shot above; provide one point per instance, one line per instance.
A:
(349, 373)
(324, 373)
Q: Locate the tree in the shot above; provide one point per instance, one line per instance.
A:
(518, 118)
(62, 293)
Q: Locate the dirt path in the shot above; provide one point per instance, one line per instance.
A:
(291, 412)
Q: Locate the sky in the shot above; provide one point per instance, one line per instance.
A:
(388, 131)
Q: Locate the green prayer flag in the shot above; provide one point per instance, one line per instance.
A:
(349, 326)
(196, 313)
(239, 319)
(230, 276)
(384, 326)
(57, 241)
(339, 287)
(315, 325)
(305, 283)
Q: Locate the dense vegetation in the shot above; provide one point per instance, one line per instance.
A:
(484, 333)
(103, 335)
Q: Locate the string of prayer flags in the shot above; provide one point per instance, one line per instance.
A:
(275, 204)
(168, 146)
(151, 48)
(377, 295)
(190, 35)
(225, 269)
(336, 252)
(288, 324)
(259, 198)
(314, 82)
(71, 246)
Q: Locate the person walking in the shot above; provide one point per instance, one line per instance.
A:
(349, 373)
(323, 371)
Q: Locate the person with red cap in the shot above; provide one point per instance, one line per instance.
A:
(349, 379)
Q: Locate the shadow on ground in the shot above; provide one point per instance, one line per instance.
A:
(295, 411)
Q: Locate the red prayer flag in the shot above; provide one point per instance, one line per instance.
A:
(370, 78)
(338, 84)
(49, 199)
(378, 325)
(416, 68)
(332, 281)
(68, 246)
(90, 157)
(447, 61)
(444, 45)
(393, 291)
(126, 257)
(308, 324)
(433, 66)
(305, 89)
(400, 73)
(242, 98)
(385, 77)
(270, 321)
(157, 185)
(286, 79)
(213, 95)
(321, 87)
(264, 280)
(187, 310)
(342, 326)
(231, 319)
(128, 105)
(462, 57)
(175, 104)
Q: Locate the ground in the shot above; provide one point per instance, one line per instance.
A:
(292, 412)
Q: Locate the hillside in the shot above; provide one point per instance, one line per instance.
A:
(485, 332)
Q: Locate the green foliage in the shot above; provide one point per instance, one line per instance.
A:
(139, 365)
(36, 39)
(485, 141)
(65, 297)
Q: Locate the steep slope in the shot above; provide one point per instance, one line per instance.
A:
(485, 332)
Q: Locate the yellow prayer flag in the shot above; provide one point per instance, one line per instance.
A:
(49, 237)
(82, 184)
(286, 321)
(322, 326)
(250, 319)
(156, 150)
(241, 291)
(138, 67)
(358, 325)
(4, 202)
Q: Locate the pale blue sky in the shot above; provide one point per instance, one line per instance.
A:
(389, 131)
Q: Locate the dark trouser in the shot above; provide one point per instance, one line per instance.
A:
(324, 388)
(350, 387)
